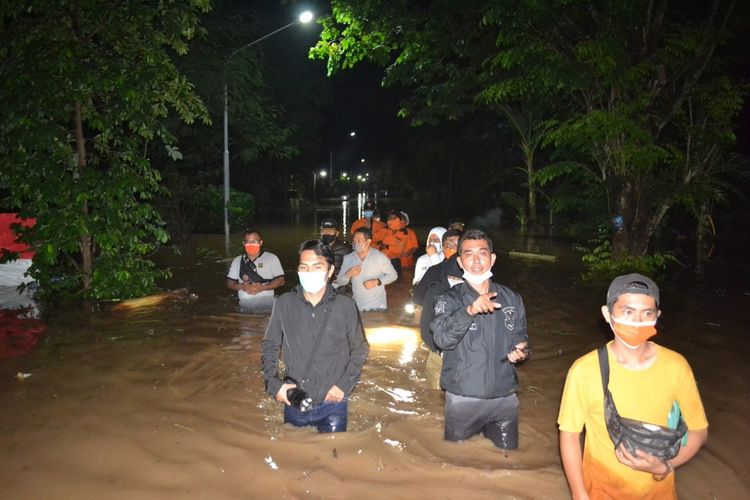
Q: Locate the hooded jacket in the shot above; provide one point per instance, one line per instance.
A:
(475, 347)
(295, 323)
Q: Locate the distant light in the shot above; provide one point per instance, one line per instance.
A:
(322, 173)
(409, 308)
(306, 17)
(343, 174)
(362, 160)
(359, 177)
(352, 133)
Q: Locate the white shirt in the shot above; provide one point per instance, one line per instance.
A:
(267, 265)
(374, 266)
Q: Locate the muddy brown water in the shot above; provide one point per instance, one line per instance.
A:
(168, 401)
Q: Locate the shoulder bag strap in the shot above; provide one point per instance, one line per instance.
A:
(316, 343)
(604, 367)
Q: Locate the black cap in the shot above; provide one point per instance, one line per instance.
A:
(369, 205)
(632, 283)
(329, 224)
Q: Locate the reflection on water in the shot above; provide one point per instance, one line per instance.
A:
(167, 400)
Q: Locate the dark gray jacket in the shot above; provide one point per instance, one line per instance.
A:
(474, 346)
(295, 323)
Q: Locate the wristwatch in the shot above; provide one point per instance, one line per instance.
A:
(663, 476)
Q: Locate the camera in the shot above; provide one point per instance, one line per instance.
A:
(298, 397)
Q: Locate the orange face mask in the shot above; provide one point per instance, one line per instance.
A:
(633, 333)
(449, 252)
(252, 248)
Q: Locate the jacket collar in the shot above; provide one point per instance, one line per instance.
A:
(327, 297)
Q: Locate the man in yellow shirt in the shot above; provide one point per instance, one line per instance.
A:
(645, 380)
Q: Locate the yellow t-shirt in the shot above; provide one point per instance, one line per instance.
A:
(645, 395)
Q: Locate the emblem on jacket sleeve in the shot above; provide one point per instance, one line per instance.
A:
(439, 307)
(510, 317)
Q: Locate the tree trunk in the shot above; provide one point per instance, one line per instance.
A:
(85, 243)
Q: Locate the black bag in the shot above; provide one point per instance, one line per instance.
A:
(656, 440)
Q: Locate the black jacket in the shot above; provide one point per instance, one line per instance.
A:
(340, 249)
(475, 346)
(433, 283)
(295, 323)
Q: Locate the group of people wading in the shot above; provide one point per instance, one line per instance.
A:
(476, 332)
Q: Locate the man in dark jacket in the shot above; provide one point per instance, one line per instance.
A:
(324, 344)
(329, 234)
(437, 280)
(481, 327)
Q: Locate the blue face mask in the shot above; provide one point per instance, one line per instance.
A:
(367, 214)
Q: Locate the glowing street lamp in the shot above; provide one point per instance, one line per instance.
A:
(304, 18)
(320, 174)
(330, 158)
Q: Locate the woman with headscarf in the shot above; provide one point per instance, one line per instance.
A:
(434, 253)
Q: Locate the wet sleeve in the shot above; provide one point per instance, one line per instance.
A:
(451, 321)
(271, 349)
(358, 350)
(388, 273)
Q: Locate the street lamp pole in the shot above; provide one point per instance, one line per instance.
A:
(304, 18)
(322, 173)
(330, 151)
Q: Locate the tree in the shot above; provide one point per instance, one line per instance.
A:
(86, 88)
(616, 78)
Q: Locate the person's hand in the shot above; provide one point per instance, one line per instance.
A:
(519, 353)
(370, 284)
(483, 304)
(281, 395)
(431, 250)
(335, 394)
(640, 461)
(254, 288)
(354, 271)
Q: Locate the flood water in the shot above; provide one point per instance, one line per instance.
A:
(167, 401)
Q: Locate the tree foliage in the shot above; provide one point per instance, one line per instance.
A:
(638, 92)
(86, 87)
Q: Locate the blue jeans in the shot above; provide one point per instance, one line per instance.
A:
(326, 416)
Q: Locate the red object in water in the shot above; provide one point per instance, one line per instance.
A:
(18, 334)
(8, 238)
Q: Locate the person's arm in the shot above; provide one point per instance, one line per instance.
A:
(234, 284)
(452, 321)
(570, 452)
(342, 278)
(270, 350)
(358, 351)
(273, 284)
(387, 272)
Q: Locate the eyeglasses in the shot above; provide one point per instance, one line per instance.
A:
(252, 242)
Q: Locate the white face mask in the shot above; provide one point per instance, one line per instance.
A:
(313, 281)
(438, 246)
(360, 247)
(477, 279)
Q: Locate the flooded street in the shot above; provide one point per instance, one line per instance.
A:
(167, 401)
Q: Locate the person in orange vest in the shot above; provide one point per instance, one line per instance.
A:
(400, 242)
(371, 220)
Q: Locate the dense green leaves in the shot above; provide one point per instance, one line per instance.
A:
(86, 87)
(638, 90)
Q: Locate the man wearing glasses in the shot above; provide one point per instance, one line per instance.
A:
(255, 275)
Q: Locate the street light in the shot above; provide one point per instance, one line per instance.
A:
(303, 18)
(330, 158)
(322, 174)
